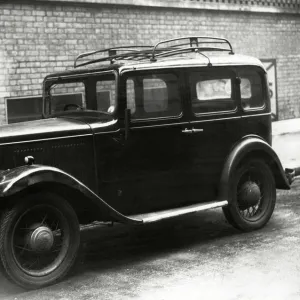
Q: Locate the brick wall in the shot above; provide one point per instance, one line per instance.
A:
(43, 38)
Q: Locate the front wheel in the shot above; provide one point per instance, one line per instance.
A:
(39, 240)
(252, 196)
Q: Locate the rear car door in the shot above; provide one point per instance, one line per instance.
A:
(214, 127)
(255, 103)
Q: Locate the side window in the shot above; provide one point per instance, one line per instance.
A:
(130, 95)
(153, 96)
(66, 96)
(251, 89)
(106, 95)
(211, 93)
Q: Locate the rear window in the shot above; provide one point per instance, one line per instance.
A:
(211, 92)
(251, 89)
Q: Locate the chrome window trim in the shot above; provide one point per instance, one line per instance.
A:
(260, 108)
(216, 112)
(231, 118)
(132, 121)
(256, 115)
(161, 125)
(201, 121)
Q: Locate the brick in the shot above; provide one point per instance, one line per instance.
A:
(43, 38)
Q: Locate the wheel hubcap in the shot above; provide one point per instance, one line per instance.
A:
(249, 195)
(41, 239)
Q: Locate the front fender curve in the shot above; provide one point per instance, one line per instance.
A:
(259, 148)
(20, 178)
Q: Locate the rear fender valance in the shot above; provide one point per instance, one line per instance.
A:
(246, 148)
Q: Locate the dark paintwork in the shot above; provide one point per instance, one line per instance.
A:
(157, 167)
(22, 177)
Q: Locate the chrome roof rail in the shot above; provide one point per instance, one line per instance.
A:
(192, 44)
(189, 44)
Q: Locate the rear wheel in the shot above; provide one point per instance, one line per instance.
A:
(252, 196)
(39, 240)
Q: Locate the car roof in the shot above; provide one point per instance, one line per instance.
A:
(197, 61)
(189, 61)
(187, 51)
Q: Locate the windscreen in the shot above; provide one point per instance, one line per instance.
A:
(96, 93)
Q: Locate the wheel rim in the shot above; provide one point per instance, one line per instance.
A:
(40, 240)
(253, 194)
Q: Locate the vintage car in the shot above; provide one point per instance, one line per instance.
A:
(136, 134)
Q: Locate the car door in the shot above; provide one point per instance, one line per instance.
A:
(255, 103)
(214, 127)
(151, 168)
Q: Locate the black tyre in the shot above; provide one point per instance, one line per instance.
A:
(252, 196)
(39, 240)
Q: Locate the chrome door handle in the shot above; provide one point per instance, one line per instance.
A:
(197, 130)
(187, 131)
(193, 130)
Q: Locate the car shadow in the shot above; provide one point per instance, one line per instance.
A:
(111, 247)
(106, 248)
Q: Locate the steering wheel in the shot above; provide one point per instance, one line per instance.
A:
(67, 106)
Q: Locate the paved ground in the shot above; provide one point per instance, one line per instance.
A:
(195, 257)
(287, 147)
(198, 257)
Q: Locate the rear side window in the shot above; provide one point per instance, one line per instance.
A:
(153, 96)
(251, 89)
(211, 92)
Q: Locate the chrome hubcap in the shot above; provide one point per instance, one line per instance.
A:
(41, 239)
(249, 194)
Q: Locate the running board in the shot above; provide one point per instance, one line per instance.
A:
(176, 212)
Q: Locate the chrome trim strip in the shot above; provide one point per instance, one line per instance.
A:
(179, 212)
(214, 113)
(43, 140)
(167, 118)
(231, 118)
(257, 115)
(212, 120)
(161, 125)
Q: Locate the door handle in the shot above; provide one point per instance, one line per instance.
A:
(197, 130)
(187, 131)
(193, 130)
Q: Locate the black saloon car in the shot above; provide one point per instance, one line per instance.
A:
(136, 134)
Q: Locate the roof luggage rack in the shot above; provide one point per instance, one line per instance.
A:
(191, 44)
(133, 52)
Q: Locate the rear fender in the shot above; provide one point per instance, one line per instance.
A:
(250, 147)
(18, 179)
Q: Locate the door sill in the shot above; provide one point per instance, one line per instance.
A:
(176, 212)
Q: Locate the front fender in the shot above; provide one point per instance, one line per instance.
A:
(248, 147)
(20, 178)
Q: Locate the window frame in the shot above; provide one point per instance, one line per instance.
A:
(215, 72)
(129, 74)
(264, 89)
(89, 80)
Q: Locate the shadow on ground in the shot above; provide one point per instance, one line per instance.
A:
(118, 247)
